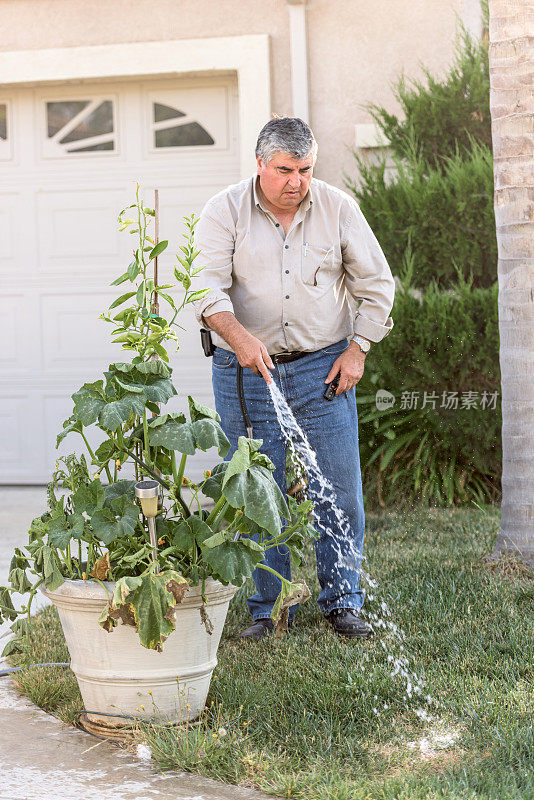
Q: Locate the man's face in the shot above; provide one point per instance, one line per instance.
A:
(284, 180)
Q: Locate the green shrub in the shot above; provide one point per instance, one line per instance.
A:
(441, 343)
(438, 199)
(448, 113)
(446, 216)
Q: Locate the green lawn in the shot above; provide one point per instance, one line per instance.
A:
(299, 716)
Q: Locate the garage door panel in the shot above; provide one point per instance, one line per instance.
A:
(7, 226)
(174, 205)
(60, 246)
(20, 358)
(21, 437)
(71, 341)
(78, 230)
(195, 118)
(16, 224)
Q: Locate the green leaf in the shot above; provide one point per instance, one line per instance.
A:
(154, 604)
(147, 603)
(118, 411)
(152, 388)
(122, 299)
(198, 411)
(153, 368)
(51, 569)
(88, 402)
(19, 580)
(59, 537)
(129, 387)
(119, 280)
(187, 437)
(19, 560)
(76, 524)
(71, 425)
(159, 248)
(7, 610)
(188, 532)
(232, 562)
(161, 419)
(59, 534)
(133, 270)
(119, 489)
(212, 486)
(89, 498)
(242, 458)
(256, 491)
(12, 648)
(140, 295)
(120, 519)
(38, 528)
(218, 538)
(197, 295)
(168, 298)
(105, 451)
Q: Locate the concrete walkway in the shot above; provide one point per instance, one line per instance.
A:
(43, 759)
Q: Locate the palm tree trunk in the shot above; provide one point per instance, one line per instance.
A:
(511, 24)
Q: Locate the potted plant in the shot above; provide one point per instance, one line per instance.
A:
(143, 615)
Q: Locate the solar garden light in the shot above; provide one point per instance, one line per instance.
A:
(148, 493)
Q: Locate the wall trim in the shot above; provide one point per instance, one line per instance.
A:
(248, 56)
(299, 58)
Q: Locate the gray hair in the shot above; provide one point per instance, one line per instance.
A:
(286, 135)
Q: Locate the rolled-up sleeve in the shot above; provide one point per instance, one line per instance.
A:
(215, 240)
(368, 277)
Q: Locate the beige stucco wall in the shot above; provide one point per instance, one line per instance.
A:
(356, 48)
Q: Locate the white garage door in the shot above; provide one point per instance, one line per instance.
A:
(70, 158)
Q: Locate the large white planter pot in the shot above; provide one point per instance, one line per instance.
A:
(117, 675)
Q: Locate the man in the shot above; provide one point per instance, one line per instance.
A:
(286, 255)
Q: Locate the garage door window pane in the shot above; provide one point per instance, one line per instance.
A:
(59, 114)
(78, 126)
(162, 112)
(3, 121)
(98, 121)
(173, 128)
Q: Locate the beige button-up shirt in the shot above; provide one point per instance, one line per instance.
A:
(297, 291)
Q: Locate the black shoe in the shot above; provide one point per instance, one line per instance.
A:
(258, 629)
(347, 622)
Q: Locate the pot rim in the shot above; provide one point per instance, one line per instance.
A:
(91, 591)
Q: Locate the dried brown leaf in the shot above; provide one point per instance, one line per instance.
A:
(101, 568)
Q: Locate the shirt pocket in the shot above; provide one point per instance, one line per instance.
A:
(317, 264)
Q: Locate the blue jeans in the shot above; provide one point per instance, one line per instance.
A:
(332, 431)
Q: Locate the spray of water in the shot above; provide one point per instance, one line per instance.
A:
(321, 490)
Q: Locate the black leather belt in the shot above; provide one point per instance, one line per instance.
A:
(290, 355)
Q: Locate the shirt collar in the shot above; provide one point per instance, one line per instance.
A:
(305, 203)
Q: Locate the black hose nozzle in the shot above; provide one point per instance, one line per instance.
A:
(330, 391)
